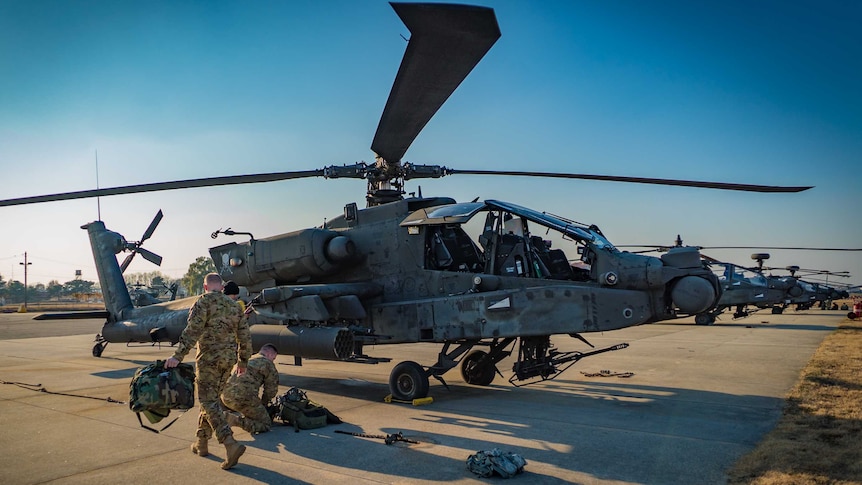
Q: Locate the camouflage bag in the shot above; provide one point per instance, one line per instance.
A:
(154, 391)
(490, 462)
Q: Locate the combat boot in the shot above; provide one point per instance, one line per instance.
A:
(233, 420)
(234, 451)
(201, 447)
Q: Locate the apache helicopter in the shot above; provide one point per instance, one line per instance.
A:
(405, 270)
(743, 287)
(143, 295)
(817, 291)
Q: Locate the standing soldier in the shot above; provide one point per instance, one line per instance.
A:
(231, 289)
(217, 325)
(242, 393)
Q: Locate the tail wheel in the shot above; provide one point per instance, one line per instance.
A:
(473, 373)
(408, 381)
(98, 348)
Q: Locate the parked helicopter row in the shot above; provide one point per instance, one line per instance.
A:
(744, 288)
(749, 289)
(407, 270)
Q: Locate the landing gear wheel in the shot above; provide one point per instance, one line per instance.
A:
(408, 381)
(475, 374)
(704, 319)
(98, 348)
(777, 310)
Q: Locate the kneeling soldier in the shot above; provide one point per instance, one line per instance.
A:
(241, 392)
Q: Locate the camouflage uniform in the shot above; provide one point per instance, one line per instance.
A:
(221, 333)
(241, 394)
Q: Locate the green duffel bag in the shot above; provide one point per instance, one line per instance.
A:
(304, 415)
(296, 409)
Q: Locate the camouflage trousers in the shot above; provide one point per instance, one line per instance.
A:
(212, 374)
(254, 419)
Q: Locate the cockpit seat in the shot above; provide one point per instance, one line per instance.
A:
(558, 265)
(462, 252)
(554, 259)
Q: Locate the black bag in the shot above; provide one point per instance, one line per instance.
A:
(154, 391)
(294, 407)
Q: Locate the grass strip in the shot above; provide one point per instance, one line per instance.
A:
(818, 439)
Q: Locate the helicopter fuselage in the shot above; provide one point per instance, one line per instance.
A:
(407, 272)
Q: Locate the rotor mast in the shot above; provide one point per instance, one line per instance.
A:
(385, 183)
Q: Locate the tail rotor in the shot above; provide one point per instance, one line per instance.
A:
(135, 246)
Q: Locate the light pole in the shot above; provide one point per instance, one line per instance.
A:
(25, 264)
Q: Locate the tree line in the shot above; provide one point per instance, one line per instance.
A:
(12, 292)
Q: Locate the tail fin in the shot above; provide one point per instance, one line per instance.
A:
(106, 244)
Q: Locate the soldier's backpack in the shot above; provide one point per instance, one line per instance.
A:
(154, 391)
(294, 407)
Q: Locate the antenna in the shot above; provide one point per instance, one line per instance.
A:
(98, 201)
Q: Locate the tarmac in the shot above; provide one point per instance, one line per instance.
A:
(699, 398)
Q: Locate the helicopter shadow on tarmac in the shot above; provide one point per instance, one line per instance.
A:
(562, 426)
(765, 321)
(779, 326)
(762, 321)
(126, 373)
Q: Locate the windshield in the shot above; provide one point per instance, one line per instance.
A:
(758, 280)
(738, 275)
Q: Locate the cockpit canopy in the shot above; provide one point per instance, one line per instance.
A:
(461, 213)
(731, 276)
(504, 240)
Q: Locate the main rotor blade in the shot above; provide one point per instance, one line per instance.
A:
(822, 271)
(154, 187)
(151, 256)
(710, 259)
(780, 247)
(446, 43)
(665, 247)
(149, 232)
(639, 180)
(802, 272)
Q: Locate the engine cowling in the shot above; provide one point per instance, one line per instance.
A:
(296, 257)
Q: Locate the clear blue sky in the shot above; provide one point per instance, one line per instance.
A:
(764, 92)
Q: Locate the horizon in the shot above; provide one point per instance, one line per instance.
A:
(762, 93)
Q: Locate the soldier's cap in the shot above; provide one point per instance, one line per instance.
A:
(231, 288)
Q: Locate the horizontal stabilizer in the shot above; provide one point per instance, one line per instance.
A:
(73, 315)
